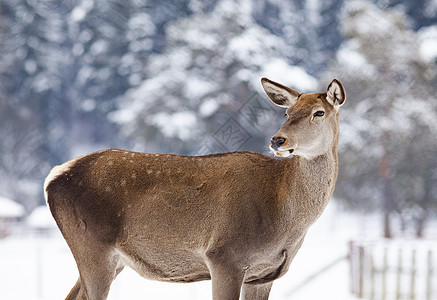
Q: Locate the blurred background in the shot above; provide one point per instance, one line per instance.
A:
(183, 77)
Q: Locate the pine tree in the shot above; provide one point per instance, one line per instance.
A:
(390, 101)
(31, 45)
(202, 82)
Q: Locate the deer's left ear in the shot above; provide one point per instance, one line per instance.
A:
(280, 95)
(336, 94)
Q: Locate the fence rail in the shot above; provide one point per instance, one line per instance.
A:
(393, 270)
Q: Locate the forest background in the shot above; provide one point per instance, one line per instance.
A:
(184, 77)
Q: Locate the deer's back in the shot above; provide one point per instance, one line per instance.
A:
(108, 189)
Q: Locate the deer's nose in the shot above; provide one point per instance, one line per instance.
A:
(277, 142)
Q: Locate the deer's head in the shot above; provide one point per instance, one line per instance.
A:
(311, 128)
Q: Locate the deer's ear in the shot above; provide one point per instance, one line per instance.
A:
(336, 94)
(280, 95)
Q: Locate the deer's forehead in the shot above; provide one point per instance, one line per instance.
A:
(311, 99)
(307, 102)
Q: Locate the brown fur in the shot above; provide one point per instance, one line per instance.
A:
(236, 218)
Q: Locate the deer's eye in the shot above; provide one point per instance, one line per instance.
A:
(319, 113)
(285, 115)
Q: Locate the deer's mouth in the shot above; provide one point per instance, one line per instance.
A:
(282, 147)
(282, 152)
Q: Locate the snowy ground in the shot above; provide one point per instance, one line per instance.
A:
(42, 268)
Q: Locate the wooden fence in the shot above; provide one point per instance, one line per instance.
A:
(394, 270)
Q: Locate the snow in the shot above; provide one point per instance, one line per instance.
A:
(10, 208)
(88, 105)
(349, 54)
(30, 66)
(179, 124)
(313, 11)
(252, 45)
(79, 12)
(208, 107)
(41, 218)
(198, 87)
(278, 70)
(141, 26)
(99, 47)
(51, 270)
(371, 22)
(428, 46)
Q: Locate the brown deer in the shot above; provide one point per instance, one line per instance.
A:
(235, 218)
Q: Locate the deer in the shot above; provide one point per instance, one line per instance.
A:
(237, 218)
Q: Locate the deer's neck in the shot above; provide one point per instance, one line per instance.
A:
(309, 185)
(317, 176)
(313, 180)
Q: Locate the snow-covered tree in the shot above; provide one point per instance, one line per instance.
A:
(111, 45)
(388, 153)
(310, 29)
(184, 75)
(209, 70)
(30, 66)
(421, 12)
(63, 66)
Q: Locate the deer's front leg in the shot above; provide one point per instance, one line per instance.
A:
(256, 291)
(226, 283)
(226, 277)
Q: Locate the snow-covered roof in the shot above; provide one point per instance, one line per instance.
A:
(41, 218)
(10, 208)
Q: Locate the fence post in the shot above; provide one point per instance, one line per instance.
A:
(384, 275)
(356, 261)
(429, 276)
(399, 275)
(413, 275)
(398, 279)
(351, 266)
(372, 276)
(361, 278)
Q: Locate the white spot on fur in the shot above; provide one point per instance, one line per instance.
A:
(134, 175)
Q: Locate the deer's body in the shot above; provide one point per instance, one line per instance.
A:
(236, 218)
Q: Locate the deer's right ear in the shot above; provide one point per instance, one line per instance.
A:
(335, 94)
(280, 95)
